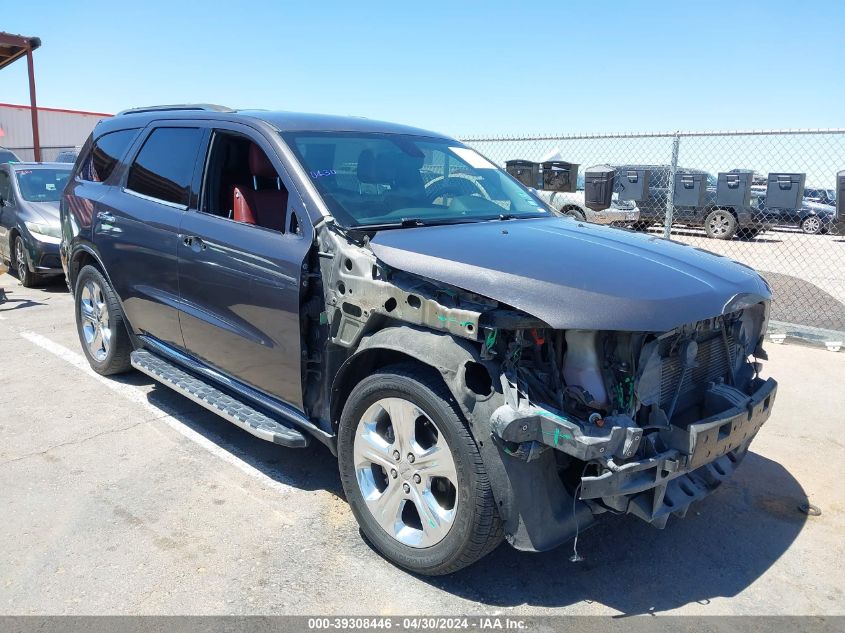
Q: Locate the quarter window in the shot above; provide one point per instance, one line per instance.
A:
(105, 154)
(5, 186)
(164, 167)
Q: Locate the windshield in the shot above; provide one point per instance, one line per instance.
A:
(42, 185)
(371, 179)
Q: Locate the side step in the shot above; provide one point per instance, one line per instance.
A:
(224, 405)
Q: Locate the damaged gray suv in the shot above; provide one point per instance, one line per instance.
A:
(483, 369)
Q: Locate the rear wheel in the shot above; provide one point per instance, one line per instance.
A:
(99, 323)
(27, 278)
(720, 224)
(413, 475)
(641, 227)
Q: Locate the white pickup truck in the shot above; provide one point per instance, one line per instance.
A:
(572, 204)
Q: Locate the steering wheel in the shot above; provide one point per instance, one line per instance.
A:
(448, 187)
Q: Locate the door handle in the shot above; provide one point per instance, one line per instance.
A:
(105, 216)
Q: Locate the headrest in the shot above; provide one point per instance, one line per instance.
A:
(259, 164)
(388, 168)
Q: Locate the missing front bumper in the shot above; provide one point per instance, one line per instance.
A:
(704, 455)
(700, 457)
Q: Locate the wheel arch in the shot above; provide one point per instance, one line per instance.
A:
(730, 210)
(523, 491)
(13, 235)
(454, 361)
(571, 206)
(83, 255)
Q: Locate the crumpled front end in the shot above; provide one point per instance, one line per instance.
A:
(639, 423)
(640, 415)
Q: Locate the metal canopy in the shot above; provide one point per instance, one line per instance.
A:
(13, 47)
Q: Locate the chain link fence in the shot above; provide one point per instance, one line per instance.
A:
(799, 251)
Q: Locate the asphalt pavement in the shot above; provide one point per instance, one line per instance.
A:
(121, 497)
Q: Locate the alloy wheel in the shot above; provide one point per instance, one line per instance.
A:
(94, 314)
(719, 224)
(405, 472)
(811, 225)
(20, 259)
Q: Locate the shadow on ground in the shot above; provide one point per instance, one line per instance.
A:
(725, 543)
(799, 301)
(311, 468)
(8, 300)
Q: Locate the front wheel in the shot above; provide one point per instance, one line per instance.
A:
(811, 225)
(27, 278)
(413, 475)
(99, 323)
(720, 224)
(575, 213)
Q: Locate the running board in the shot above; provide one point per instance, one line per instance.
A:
(204, 394)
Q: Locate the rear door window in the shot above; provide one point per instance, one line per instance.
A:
(164, 168)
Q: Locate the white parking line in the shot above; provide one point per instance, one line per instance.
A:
(139, 397)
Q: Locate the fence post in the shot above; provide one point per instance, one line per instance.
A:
(670, 197)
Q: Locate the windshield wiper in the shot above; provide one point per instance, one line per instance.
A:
(404, 223)
(523, 216)
(409, 223)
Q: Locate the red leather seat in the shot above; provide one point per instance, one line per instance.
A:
(265, 206)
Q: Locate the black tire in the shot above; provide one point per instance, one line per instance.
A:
(641, 227)
(27, 278)
(476, 529)
(720, 224)
(811, 225)
(115, 359)
(577, 214)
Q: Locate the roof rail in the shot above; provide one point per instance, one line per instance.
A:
(209, 107)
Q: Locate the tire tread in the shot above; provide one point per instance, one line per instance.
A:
(487, 531)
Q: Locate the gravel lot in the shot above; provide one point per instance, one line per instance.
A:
(806, 272)
(121, 497)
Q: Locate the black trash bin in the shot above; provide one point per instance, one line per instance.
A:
(558, 175)
(690, 190)
(525, 171)
(785, 191)
(598, 187)
(632, 184)
(733, 189)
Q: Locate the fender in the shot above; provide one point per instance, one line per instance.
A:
(75, 252)
(537, 511)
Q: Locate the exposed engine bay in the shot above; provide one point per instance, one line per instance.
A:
(625, 421)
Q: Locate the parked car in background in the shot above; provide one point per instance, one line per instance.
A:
(721, 223)
(811, 218)
(482, 368)
(620, 213)
(8, 156)
(820, 196)
(67, 156)
(29, 218)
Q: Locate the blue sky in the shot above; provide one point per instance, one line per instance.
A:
(460, 67)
